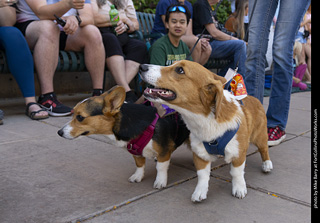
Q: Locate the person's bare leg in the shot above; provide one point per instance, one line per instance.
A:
(132, 69)
(88, 39)
(116, 65)
(43, 39)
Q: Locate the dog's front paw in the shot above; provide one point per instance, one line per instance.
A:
(239, 191)
(267, 166)
(137, 176)
(160, 183)
(162, 174)
(199, 194)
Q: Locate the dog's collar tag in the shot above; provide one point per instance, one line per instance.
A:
(229, 75)
(238, 88)
(218, 146)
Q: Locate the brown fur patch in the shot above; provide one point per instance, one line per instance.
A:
(199, 163)
(164, 154)
(140, 161)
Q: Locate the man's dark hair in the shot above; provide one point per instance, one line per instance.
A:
(169, 11)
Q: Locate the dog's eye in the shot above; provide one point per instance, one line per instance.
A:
(179, 70)
(79, 118)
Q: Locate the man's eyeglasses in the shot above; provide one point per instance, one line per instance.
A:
(177, 8)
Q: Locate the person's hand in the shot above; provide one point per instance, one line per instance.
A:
(76, 4)
(71, 25)
(121, 28)
(204, 44)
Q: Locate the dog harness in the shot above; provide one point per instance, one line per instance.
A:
(136, 146)
(218, 145)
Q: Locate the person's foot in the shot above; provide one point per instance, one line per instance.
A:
(53, 106)
(275, 136)
(297, 83)
(131, 97)
(97, 92)
(36, 112)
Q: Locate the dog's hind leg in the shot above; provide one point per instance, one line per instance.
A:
(203, 172)
(163, 163)
(139, 174)
(262, 143)
(266, 162)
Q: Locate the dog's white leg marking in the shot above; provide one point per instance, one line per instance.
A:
(200, 193)
(162, 174)
(138, 175)
(239, 188)
(267, 166)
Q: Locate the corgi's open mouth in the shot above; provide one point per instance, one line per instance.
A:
(161, 93)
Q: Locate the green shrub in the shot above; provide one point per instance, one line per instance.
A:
(149, 6)
(223, 11)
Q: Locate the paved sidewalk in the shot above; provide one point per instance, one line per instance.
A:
(45, 178)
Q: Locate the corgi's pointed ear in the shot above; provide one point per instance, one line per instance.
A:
(211, 97)
(113, 100)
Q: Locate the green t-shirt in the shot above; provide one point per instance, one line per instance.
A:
(163, 53)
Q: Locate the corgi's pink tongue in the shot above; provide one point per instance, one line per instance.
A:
(155, 93)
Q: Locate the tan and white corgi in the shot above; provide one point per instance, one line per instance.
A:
(210, 113)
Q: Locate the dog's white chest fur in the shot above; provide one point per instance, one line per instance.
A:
(206, 128)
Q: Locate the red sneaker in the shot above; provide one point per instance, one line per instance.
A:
(275, 136)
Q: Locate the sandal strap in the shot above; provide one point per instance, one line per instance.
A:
(33, 113)
(32, 103)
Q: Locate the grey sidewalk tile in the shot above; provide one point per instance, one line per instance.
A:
(174, 205)
(54, 178)
(291, 174)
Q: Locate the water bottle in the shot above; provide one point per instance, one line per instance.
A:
(114, 15)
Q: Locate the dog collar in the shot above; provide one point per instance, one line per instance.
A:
(218, 146)
(136, 146)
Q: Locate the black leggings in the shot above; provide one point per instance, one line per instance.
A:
(131, 49)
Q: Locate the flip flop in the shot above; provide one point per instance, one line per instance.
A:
(32, 114)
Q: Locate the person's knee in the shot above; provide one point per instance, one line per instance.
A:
(91, 34)
(10, 31)
(11, 36)
(241, 45)
(45, 29)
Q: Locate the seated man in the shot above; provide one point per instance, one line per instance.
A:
(202, 50)
(223, 45)
(171, 48)
(35, 18)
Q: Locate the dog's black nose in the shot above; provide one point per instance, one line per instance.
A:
(143, 68)
(60, 132)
